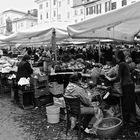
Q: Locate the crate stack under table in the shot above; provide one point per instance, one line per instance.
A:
(25, 97)
(42, 96)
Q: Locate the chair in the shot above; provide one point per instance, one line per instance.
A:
(73, 109)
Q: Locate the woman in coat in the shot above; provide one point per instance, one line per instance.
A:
(24, 68)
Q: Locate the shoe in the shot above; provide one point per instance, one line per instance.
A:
(35, 108)
(73, 122)
(90, 131)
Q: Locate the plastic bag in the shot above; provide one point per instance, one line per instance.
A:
(56, 88)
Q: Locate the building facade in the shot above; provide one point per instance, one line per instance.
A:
(93, 8)
(19, 20)
(24, 23)
(75, 11)
(55, 10)
(79, 11)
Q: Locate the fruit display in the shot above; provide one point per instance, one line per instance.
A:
(71, 66)
(7, 64)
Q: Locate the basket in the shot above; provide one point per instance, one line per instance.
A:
(109, 130)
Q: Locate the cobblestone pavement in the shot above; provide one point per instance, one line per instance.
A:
(19, 124)
(9, 129)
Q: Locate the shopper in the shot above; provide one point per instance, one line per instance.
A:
(128, 89)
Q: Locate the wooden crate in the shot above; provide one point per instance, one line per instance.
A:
(25, 99)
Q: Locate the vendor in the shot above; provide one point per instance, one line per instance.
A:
(24, 68)
(127, 86)
(74, 89)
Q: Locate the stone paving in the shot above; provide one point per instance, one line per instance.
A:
(19, 124)
(9, 129)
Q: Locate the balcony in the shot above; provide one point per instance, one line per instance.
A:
(90, 1)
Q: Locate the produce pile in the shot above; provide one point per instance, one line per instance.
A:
(71, 66)
(7, 64)
(107, 124)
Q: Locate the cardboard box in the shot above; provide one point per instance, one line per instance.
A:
(56, 88)
(59, 102)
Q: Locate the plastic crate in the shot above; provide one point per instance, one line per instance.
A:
(37, 83)
(26, 88)
(44, 100)
(41, 91)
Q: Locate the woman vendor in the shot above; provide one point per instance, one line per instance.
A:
(75, 89)
(24, 68)
(127, 86)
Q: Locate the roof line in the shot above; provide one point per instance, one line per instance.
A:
(17, 11)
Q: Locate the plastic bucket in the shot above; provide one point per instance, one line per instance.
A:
(53, 114)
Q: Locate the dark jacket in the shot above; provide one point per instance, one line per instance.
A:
(124, 74)
(24, 70)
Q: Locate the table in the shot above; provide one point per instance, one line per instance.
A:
(63, 77)
(70, 73)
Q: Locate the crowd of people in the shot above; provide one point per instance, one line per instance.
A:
(127, 85)
(122, 60)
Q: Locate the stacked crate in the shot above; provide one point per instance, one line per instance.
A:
(5, 86)
(41, 92)
(25, 97)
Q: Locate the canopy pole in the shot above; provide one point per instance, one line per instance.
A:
(99, 51)
(54, 47)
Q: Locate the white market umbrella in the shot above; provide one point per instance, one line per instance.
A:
(39, 33)
(121, 24)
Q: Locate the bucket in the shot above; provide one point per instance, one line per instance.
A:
(53, 114)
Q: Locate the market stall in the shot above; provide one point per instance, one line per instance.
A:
(54, 77)
(39, 33)
(121, 24)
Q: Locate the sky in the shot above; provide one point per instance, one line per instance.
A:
(22, 5)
